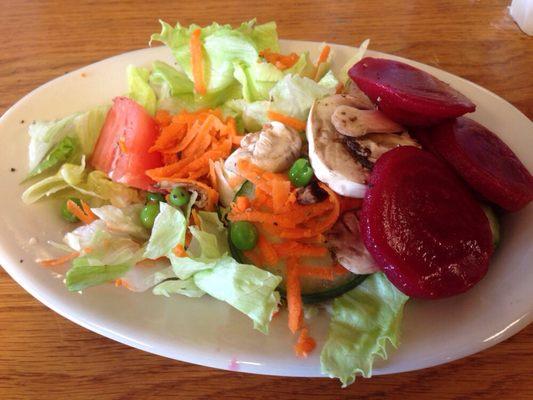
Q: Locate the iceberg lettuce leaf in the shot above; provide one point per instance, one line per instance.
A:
(362, 322)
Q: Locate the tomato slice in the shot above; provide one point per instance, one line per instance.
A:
(122, 149)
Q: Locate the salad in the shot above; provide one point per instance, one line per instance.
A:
(268, 181)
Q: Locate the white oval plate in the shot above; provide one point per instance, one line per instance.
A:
(207, 332)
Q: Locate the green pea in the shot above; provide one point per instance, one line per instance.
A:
(301, 172)
(243, 235)
(152, 197)
(66, 214)
(179, 196)
(148, 214)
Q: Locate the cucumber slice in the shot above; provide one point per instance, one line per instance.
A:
(314, 290)
(494, 223)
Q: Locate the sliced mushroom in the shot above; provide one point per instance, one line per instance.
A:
(363, 102)
(350, 121)
(344, 241)
(332, 163)
(274, 148)
(378, 144)
(343, 151)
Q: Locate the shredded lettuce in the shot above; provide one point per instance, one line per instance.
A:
(177, 286)
(95, 184)
(60, 153)
(222, 46)
(249, 289)
(110, 258)
(294, 95)
(124, 220)
(169, 80)
(84, 127)
(362, 322)
(359, 54)
(140, 90)
(168, 231)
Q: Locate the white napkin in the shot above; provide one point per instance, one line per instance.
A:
(522, 13)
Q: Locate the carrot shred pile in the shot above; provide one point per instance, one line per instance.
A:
(295, 123)
(301, 229)
(197, 61)
(281, 61)
(190, 143)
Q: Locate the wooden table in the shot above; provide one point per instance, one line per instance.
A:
(44, 356)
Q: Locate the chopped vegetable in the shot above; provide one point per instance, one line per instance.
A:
(295, 123)
(294, 297)
(148, 214)
(52, 262)
(301, 172)
(83, 213)
(152, 197)
(65, 212)
(179, 196)
(197, 62)
(305, 344)
(243, 235)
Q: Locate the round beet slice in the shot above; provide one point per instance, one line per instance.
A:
(406, 94)
(422, 225)
(484, 161)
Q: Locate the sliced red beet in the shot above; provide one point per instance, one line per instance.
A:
(422, 225)
(484, 161)
(406, 94)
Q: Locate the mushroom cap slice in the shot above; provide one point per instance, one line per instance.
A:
(349, 121)
(331, 161)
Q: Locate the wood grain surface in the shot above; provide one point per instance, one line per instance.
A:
(44, 356)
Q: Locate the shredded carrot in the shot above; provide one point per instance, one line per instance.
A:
(339, 89)
(87, 210)
(190, 145)
(289, 248)
(281, 61)
(179, 250)
(122, 282)
(305, 344)
(294, 295)
(78, 212)
(242, 203)
(280, 195)
(162, 117)
(327, 273)
(324, 54)
(52, 262)
(195, 218)
(295, 123)
(212, 174)
(267, 251)
(197, 62)
(254, 257)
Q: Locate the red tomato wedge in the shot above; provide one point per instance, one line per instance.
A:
(422, 225)
(484, 161)
(122, 147)
(406, 94)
